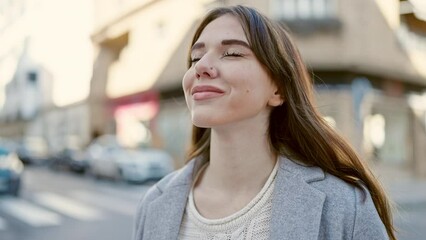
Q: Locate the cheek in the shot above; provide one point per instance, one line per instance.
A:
(187, 81)
(253, 90)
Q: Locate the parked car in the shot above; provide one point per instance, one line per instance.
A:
(33, 150)
(107, 158)
(9, 144)
(73, 159)
(11, 169)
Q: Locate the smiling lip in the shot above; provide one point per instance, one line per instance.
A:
(206, 92)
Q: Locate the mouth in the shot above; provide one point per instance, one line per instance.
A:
(204, 92)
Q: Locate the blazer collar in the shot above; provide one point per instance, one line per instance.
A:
(296, 210)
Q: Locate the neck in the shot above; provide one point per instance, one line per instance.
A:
(241, 159)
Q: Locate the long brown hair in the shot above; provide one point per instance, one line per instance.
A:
(296, 128)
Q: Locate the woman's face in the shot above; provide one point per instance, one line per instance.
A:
(226, 83)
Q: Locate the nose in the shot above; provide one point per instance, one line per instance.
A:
(204, 68)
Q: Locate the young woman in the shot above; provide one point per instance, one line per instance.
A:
(264, 163)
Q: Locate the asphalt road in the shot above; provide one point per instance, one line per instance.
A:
(410, 221)
(61, 205)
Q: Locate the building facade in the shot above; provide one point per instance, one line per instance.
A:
(135, 91)
(365, 57)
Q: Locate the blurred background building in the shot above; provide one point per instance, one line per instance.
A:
(73, 70)
(46, 62)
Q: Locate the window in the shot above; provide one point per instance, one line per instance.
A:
(305, 16)
(304, 9)
(32, 77)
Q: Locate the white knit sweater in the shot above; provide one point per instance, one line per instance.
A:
(250, 223)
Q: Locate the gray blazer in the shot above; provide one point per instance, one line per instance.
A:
(307, 203)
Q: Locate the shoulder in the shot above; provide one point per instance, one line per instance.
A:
(182, 176)
(341, 194)
(351, 205)
(347, 209)
(337, 191)
(157, 189)
(179, 177)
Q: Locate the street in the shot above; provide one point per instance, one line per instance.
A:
(411, 222)
(62, 205)
(409, 195)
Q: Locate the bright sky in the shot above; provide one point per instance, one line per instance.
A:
(60, 42)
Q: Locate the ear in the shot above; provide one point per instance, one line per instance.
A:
(275, 100)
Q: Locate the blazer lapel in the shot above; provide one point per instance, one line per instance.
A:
(165, 214)
(296, 206)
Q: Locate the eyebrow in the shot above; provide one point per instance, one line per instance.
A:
(225, 42)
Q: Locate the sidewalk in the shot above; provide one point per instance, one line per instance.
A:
(404, 189)
(407, 192)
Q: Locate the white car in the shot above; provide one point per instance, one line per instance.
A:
(144, 164)
(106, 158)
(33, 150)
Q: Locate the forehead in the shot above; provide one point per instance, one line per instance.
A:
(224, 27)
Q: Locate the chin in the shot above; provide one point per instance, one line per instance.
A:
(204, 121)
(201, 124)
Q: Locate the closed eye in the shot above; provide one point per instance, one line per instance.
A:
(194, 60)
(226, 54)
(232, 54)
